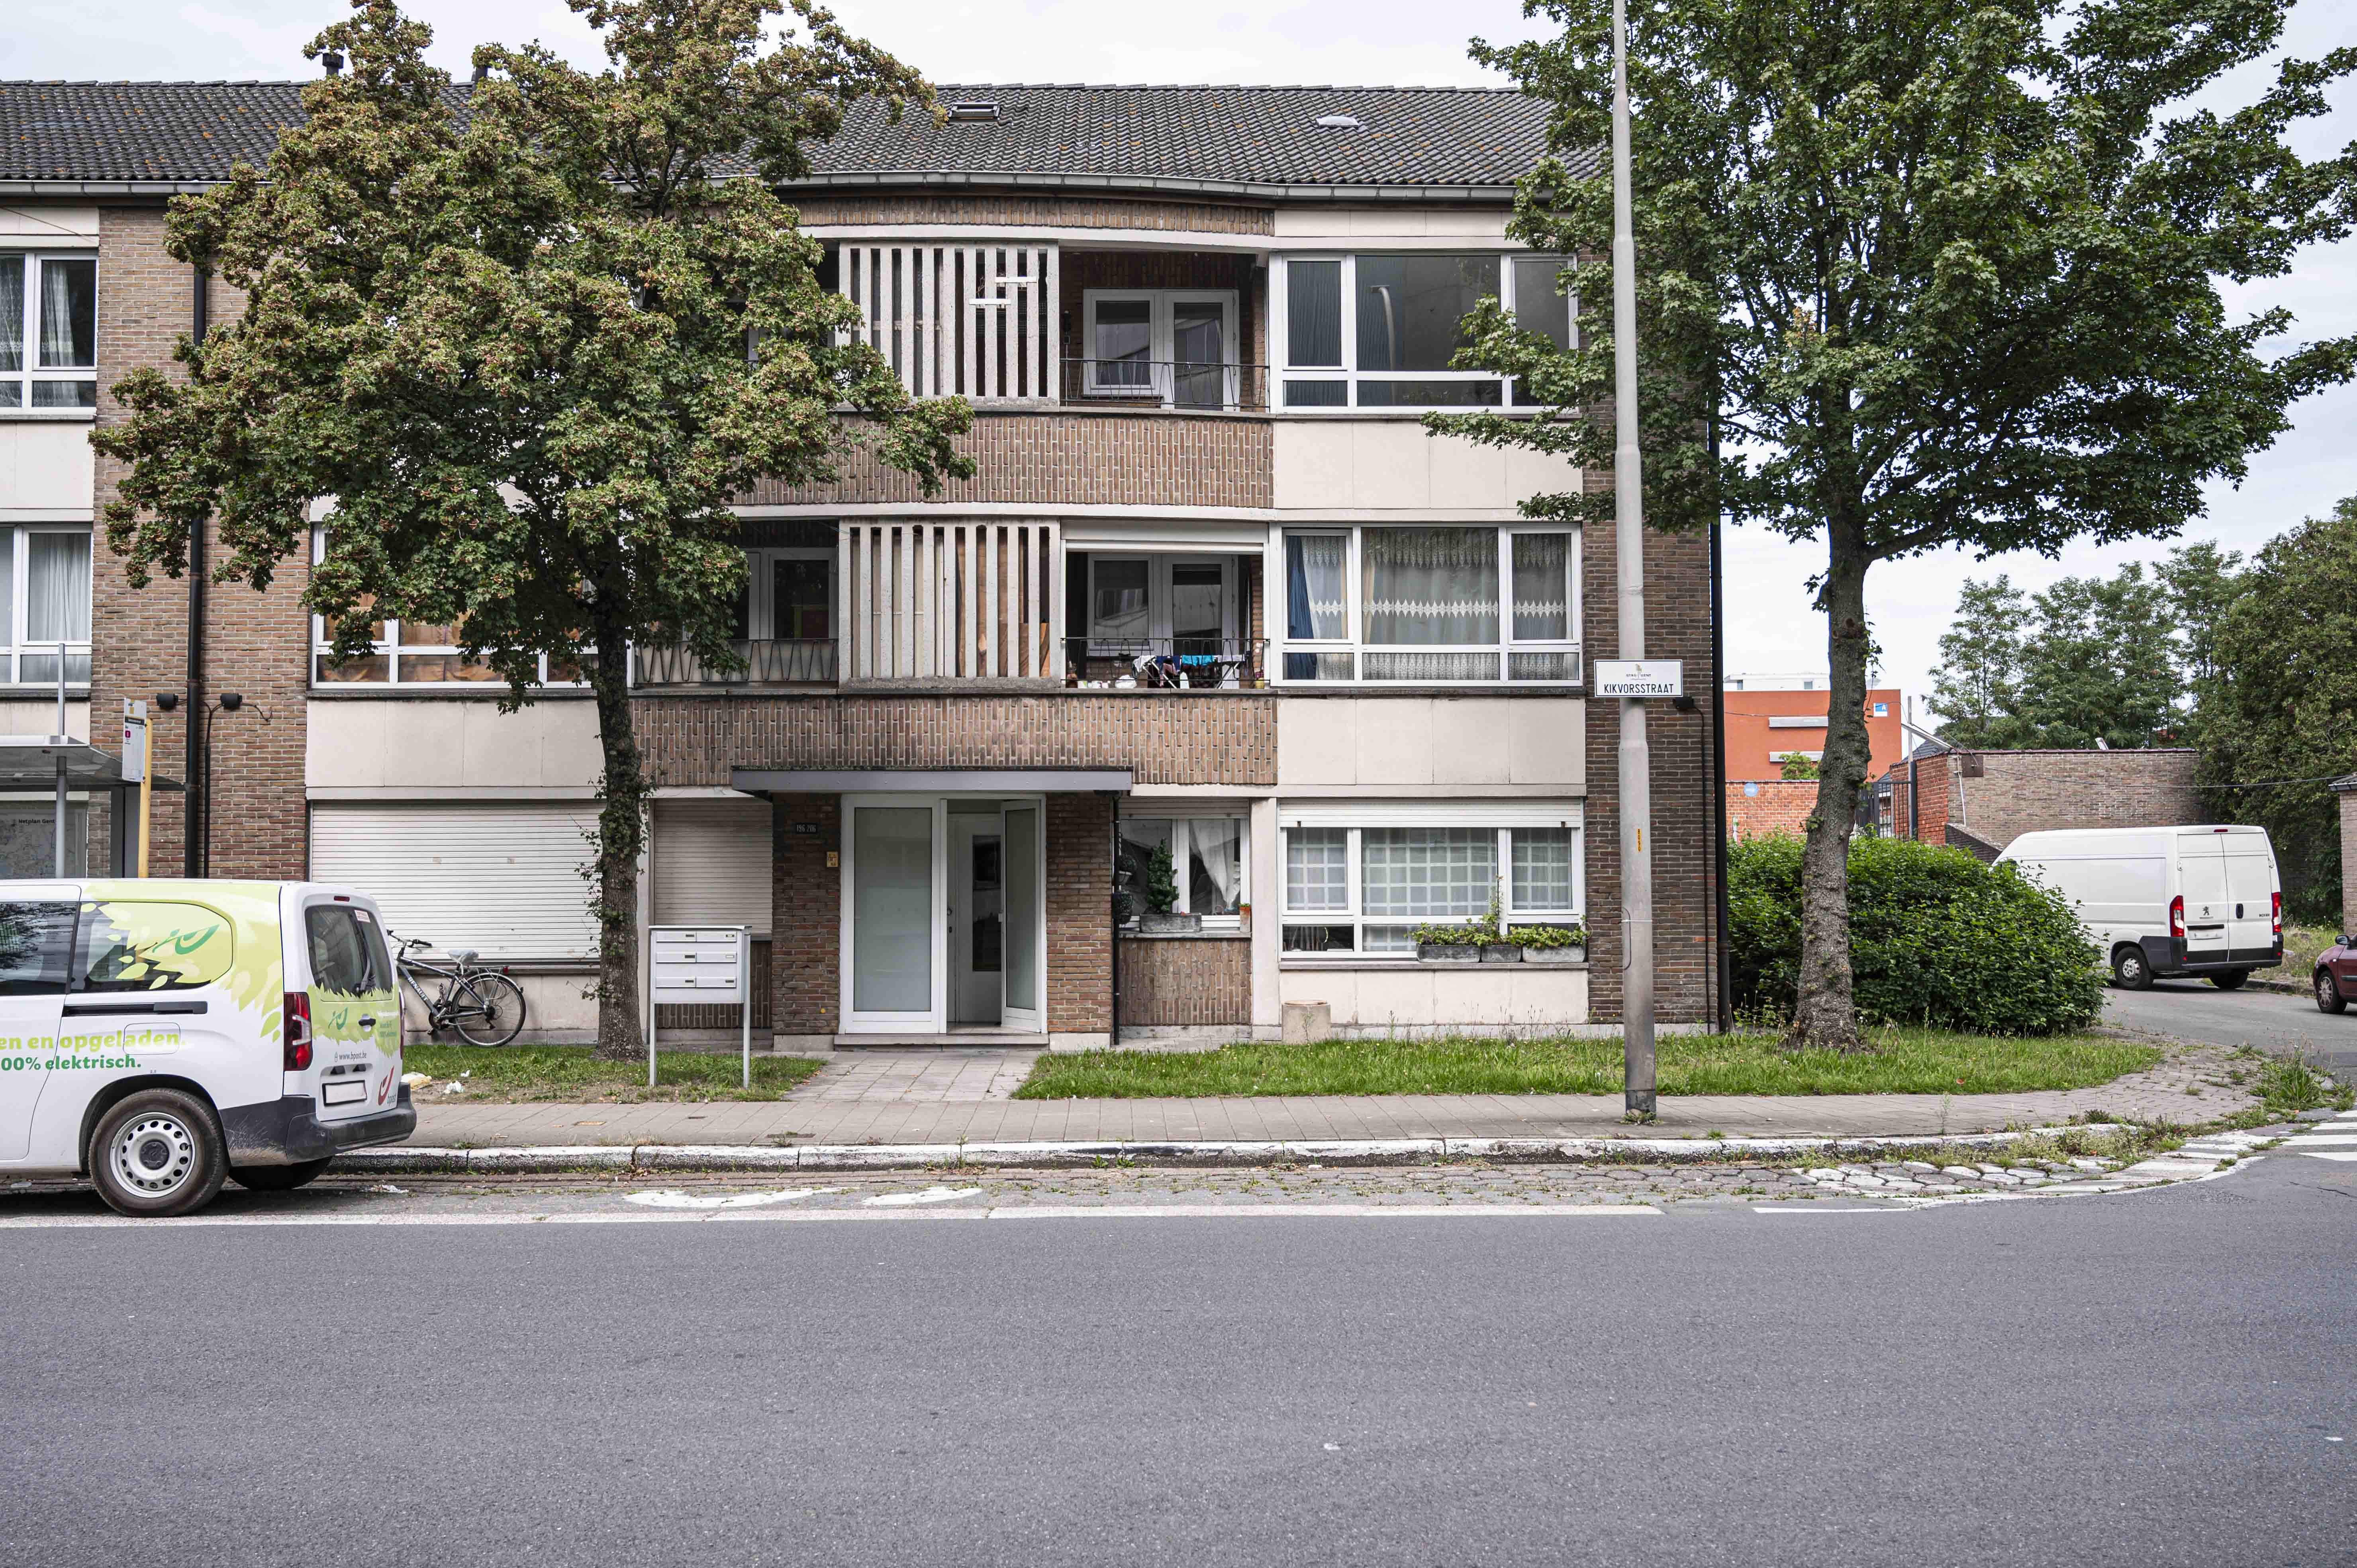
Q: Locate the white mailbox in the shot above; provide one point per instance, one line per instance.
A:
(705, 965)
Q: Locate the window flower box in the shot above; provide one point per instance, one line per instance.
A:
(1447, 952)
(1559, 956)
(1500, 952)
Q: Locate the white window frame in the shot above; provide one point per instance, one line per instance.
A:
(33, 372)
(1353, 820)
(1348, 374)
(392, 649)
(19, 644)
(1353, 644)
(1158, 566)
(1161, 340)
(1179, 817)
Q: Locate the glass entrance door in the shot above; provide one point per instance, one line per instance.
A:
(1025, 982)
(895, 938)
(977, 918)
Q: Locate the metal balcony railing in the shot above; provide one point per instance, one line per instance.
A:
(1167, 664)
(768, 661)
(1208, 386)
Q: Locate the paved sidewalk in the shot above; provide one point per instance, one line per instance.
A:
(955, 1096)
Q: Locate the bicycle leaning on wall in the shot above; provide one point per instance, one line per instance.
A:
(483, 1005)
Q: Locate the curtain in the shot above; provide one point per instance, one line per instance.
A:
(1430, 586)
(1543, 587)
(1313, 603)
(1215, 864)
(68, 314)
(11, 314)
(57, 588)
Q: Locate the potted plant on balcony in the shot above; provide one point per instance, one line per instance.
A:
(1448, 944)
(1551, 944)
(1161, 894)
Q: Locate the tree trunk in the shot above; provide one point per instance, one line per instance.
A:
(1825, 1015)
(621, 834)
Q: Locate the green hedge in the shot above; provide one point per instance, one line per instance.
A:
(1936, 938)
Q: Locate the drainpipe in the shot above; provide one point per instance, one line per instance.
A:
(196, 803)
(1719, 744)
(1113, 860)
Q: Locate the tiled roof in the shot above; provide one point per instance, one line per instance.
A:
(184, 133)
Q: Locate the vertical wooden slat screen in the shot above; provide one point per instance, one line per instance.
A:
(976, 321)
(952, 601)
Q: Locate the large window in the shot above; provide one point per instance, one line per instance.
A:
(1360, 889)
(410, 653)
(1431, 605)
(1380, 332)
(1172, 346)
(48, 332)
(1207, 866)
(43, 601)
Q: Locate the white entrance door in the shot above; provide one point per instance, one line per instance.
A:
(1025, 966)
(895, 946)
(977, 917)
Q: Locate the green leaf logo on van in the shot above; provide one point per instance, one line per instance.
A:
(229, 939)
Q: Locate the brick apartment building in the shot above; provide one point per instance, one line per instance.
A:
(1772, 717)
(1212, 592)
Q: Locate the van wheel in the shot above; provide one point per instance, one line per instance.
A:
(2230, 979)
(2130, 969)
(276, 1179)
(2328, 994)
(157, 1153)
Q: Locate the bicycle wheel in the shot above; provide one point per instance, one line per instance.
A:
(488, 1010)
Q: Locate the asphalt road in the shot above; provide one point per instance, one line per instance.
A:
(2145, 1378)
(2271, 1020)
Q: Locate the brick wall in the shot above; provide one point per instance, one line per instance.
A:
(1080, 914)
(1192, 737)
(1677, 625)
(1760, 807)
(1037, 212)
(1070, 459)
(255, 644)
(2347, 788)
(805, 915)
(1180, 980)
(2018, 792)
(1931, 821)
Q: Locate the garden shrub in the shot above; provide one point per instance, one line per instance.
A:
(1936, 937)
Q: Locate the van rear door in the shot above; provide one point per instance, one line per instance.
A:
(2251, 894)
(2202, 883)
(35, 938)
(355, 1016)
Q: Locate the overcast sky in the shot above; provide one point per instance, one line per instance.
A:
(1770, 625)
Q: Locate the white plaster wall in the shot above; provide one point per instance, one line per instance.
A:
(1536, 746)
(41, 718)
(45, 223)
(1389, 222)
(445, 743)
(1427, 999)
(47, 465)
(556, 1013)
(1323, 464)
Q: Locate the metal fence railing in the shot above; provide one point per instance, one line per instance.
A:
(1165, 383)
(768, 661)
(1167, 663)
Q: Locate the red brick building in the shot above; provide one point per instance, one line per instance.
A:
(1982, 800)
(1212, 594)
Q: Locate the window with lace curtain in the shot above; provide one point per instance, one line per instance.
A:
(49, 333)
(1358, 889)
(1433, 605)
(43, 601)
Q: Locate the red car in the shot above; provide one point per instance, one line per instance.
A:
(2336, 976)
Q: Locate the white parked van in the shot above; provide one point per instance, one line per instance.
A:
(159, 1036)
(2166, 901)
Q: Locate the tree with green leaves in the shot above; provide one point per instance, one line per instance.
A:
(2281, 719)
(1978, 683)
(531, 337)
(2101, 665)
(1919, 274)
(2203, 583)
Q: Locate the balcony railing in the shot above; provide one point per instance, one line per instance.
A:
(768, 661)
(1167, 664)
(1183, 384)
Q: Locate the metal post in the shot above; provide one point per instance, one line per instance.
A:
(1629, 540)
(62, 741)
(1725, 976)
(1914, 810)
(745, 993)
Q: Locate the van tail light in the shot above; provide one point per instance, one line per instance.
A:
(2177, 915)
(294, 1022)
(2278, 918)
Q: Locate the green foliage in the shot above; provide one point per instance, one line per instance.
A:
(1797, 769)
(2283, 703)
(1572, 936)
(1482, 930)
(1978, 683)
(1937, 939)
(1161, 887)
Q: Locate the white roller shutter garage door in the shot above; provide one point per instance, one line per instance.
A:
(501, 878)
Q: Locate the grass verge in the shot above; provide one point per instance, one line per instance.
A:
(574, 1074)
(1903, 1062)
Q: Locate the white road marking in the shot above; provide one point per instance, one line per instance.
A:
(931, 1195)
(670, 1197)
(1311, 1211)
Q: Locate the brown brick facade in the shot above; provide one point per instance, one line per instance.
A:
(1070, 459)
(1037, 212)
(2346, 789)
(256, 645)
(1758, 808)
(805, 915)
(1201, 737)
(1080, 914)
(1997, 796)
(1170, 981)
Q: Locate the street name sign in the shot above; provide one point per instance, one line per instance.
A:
(1641, 678)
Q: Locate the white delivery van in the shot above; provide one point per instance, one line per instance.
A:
(159, 1036)
(2165, 902)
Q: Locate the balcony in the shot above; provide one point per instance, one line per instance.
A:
(766, 662)
(1167, 664)
(1185, 385)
